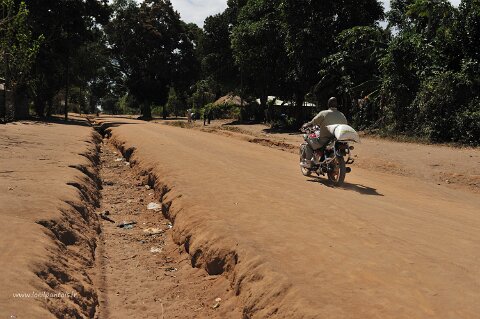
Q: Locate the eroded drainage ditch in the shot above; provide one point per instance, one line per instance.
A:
(140, 271)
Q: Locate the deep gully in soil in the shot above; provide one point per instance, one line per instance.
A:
(213, 262)
(139, 274)
(202, 275)
(218, 258)
(189, 285)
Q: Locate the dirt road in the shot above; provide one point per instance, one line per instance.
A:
(440, 164)
(384, 246)
(267, 241)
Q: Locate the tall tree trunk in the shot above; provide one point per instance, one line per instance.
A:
(50, 107)
(21, 102)
(93, 104)
(260, 115)
(39, 105)
(67, 71)
(147, 110)
(80, 103)
(4, 108)
(165, 113)
(3, 104)
(6, 87)
(67, 84)
(299, 109)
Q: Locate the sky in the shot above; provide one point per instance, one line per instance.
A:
(197, 10)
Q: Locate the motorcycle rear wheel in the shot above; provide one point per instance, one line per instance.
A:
(337, 175)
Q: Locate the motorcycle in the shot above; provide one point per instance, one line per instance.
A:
(332, 162)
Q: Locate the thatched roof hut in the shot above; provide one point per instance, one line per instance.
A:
(229, 99)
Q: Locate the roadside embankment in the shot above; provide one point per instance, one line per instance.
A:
(49, 190)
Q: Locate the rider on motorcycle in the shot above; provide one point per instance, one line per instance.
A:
(323, 119)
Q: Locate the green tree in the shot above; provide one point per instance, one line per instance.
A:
(217, 60)
(218, 64)
(203, 94)
(258, 49)
(310, 28)
(92, 71)
(18, 49)
(468, 25)
(66, 26)
(354, 69)
(152, 48)
(422, 49)
(174, 104)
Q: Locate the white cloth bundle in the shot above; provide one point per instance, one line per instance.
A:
(344, 132)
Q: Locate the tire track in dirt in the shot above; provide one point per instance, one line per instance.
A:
(140, 271)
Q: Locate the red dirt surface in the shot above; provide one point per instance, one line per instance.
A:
(446, 165)
(383, 246)
(61, 259)
(48, 230)
(399, 240)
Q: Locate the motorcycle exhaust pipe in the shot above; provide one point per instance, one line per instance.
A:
(348, 170)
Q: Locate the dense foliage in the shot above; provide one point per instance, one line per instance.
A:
(430, 80)
(18, 49)
(413, 70)
(153, 49)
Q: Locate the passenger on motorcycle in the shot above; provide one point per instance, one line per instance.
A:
(323, 119)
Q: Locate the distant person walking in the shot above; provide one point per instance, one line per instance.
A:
(189, 116)
(360, 112)
(207, 116)
(210, 116)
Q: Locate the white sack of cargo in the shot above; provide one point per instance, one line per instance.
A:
(344, 132)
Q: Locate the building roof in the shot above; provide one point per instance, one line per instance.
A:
(229, 99)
